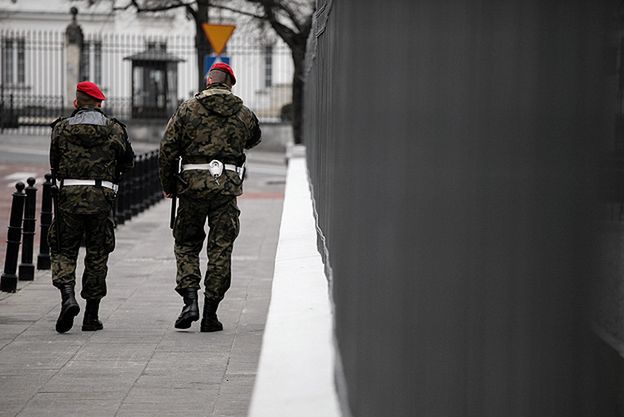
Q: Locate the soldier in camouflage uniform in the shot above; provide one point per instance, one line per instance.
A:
(209, 131)
(88, 152)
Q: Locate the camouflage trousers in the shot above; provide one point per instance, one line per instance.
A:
(98, 230)
(222, 213)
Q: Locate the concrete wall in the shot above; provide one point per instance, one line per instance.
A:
(450, 147)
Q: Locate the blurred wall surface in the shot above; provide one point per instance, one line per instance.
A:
(451, 148)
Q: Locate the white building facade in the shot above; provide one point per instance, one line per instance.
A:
(34, 58)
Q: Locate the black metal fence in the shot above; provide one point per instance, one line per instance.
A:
(138, 190)
(142, 76)
(32, 78)
(454, 185)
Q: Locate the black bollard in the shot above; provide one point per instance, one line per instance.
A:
(27, 268)
(129, 190)
(160, 195)
(8, 281)
(148, 180)
(135, 195)
(43, 260)
(156, 191)
(152, 173)
(144, 185)
(141, 187)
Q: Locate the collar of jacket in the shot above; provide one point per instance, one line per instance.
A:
(87, 108)
(221, 86)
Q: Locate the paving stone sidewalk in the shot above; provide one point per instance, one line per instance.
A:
(139, 365)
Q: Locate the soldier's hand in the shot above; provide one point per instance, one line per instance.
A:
(167, 195)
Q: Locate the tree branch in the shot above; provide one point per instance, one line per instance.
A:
(287, 34)
(192, 11)
(291, 14)
(242, 12)
(139, 9)
(280, 6)
(126, 7)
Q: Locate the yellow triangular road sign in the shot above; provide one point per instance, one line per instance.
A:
(218, 35)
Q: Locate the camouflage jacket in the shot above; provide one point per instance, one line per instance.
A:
(89, 145)
(214, 124)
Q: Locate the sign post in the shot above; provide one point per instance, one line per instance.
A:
(218, 36)
(210, 60)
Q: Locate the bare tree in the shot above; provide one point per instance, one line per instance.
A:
(290, 19)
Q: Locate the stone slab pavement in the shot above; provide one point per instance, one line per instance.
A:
(139, 365)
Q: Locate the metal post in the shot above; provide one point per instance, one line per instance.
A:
(157, 193)
(144, 183)
(150, 179)
(136, 184)
(130, 184)
(12, 112)
(140, 184)
(43, 260)
(27, 268)
(8, 281)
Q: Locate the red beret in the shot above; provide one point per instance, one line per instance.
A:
(225, 68)
(90, 89)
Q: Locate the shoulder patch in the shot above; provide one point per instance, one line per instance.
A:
(123, 126)
(56, 121)
(119, 122)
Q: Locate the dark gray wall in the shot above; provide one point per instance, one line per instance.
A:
(450, 146)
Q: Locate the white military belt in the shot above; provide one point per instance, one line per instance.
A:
(206, 167)
(106, 184)
(186, 167)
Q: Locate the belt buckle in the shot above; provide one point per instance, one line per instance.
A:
(216, 168)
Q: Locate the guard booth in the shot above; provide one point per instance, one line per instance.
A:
(154, 82)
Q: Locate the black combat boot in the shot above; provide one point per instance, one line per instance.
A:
(210, 322)
(69, 309)
(190, 311)
(91, 321)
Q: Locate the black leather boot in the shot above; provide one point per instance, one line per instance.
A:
(69, 309)
(210, 322)
(190, 311)
(91, 321)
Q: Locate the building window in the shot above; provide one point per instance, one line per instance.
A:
(13, 61)
(268, 66)
(84, 61)
(97, 62)
(157, 46)
(7, 61)
(21, 67)
(91, 62)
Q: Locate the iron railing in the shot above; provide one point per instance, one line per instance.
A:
(33, 65)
